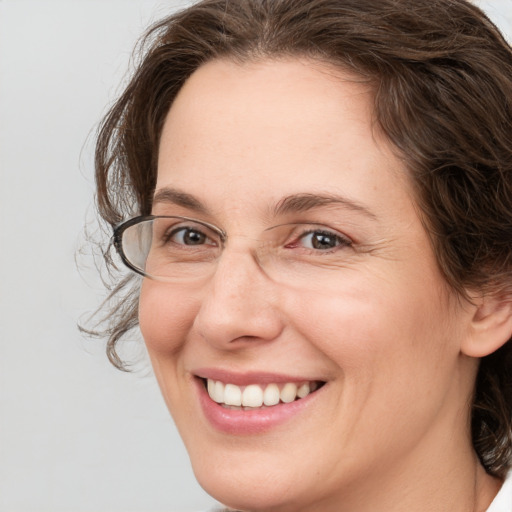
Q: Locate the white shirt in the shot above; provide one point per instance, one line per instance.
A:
(503, 500)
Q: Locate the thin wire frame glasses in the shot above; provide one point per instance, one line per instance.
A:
(184, 250)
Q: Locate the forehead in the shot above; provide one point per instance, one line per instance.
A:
(272, 128)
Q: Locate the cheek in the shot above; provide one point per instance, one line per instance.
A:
(165, 317)
(396, 353)
(380, 327)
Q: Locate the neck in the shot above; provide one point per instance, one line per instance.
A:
(458, 488)
(436, 476)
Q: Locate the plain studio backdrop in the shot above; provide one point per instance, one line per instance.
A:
(76, 435)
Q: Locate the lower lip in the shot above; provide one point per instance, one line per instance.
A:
(246, 422)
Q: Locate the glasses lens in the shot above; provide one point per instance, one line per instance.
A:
(182, 250)
(136, 243)
(171, 248)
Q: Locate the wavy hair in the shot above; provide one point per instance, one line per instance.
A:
(441, 73)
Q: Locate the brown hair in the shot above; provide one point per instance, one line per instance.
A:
(442, 76)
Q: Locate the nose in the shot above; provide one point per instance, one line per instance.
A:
(240, 304)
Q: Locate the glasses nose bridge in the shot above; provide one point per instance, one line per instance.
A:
(238, 301)
(240, 245)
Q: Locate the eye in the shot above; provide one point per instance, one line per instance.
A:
(189, 236)
(321, 240)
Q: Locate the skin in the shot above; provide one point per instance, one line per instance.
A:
(389, 430)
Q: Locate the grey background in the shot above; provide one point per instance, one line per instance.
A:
(75, 434)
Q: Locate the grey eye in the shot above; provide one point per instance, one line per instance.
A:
(322, 240)
(188, 236)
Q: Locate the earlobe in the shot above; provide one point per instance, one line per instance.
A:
(491, 326)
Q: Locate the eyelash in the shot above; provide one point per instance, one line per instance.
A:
(341, 241)
(184, 230)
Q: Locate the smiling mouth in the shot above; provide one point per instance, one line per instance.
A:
(256, 396)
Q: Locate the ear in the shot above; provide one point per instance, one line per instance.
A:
(491, 325)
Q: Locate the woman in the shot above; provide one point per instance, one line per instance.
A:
(318, 194)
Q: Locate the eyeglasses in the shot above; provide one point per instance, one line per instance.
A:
(183, 250)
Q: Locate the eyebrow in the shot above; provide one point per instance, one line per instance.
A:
(179, 198)
(294, 203)
(304, 202)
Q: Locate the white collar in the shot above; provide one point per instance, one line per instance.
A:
(503, 500)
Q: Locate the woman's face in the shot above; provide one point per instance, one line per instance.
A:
(366, 317)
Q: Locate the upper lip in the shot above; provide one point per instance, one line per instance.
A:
(250, 377)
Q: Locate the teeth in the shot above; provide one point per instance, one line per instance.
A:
(256, 396)
(288, 393)
(232, 395)
(219, 392)
(271, 395)
(211, 389)
(252, 396)
(304, 390)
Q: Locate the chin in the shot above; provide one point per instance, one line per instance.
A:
(249, 494)
(256, 480)
(246, 482)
